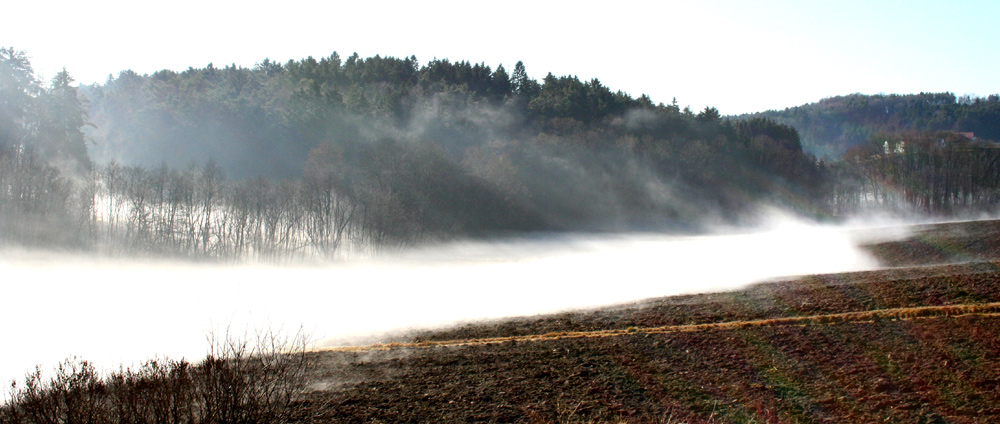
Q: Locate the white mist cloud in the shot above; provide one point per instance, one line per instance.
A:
(120, 312)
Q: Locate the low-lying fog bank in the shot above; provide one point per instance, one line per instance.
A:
(121, 312)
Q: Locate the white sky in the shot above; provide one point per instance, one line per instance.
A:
(739, 56)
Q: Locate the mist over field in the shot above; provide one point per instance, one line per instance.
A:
(121, 311)
(403, 178)
(357, 200)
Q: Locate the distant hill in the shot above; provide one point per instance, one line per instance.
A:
(831, 126)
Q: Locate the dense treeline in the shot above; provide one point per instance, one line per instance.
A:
(49, 118)
(334, 157)
(562, 145)
(38, 205)
(935, 172)
(832, 126)
(339, 155)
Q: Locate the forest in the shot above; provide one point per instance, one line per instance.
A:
(331, 158)
(833, 125)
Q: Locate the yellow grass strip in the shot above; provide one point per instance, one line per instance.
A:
(991, 309)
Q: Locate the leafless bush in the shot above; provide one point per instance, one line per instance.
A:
(242, 382)
(74, 394)
(238, 382)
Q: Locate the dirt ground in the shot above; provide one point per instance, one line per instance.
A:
(872, 368)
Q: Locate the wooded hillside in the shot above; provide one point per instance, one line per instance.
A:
(333, 155)
(833, 125)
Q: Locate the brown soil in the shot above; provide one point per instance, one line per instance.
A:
(913, 345)
(943, 243)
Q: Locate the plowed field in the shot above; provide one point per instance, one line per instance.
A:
(913, 344)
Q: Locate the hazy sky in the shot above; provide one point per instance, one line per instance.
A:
(740, 56)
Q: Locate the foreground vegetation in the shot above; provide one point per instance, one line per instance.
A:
(237, 382)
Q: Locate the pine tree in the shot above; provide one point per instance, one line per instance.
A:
(18, 88)
(61, 119)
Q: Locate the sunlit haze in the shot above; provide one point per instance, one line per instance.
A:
(737, 56)
(206, 173)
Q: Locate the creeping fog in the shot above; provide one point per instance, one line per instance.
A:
(359, 198)
(115, 311)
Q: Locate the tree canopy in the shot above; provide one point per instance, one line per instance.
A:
(328, 155)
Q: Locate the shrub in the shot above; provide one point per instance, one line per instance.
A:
(238, 382)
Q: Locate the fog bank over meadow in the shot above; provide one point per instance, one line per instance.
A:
(407, 196)
(120, 311)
